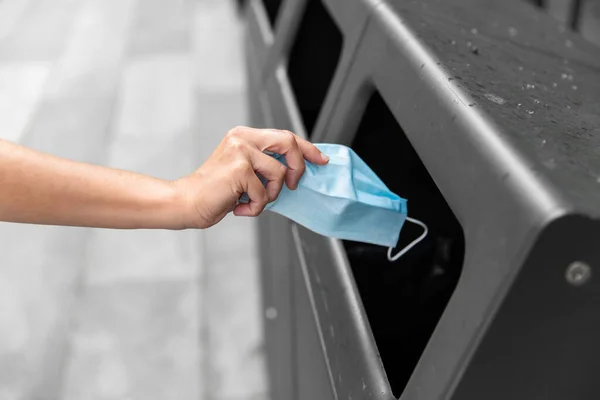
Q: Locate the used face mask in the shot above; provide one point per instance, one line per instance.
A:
(345, 199)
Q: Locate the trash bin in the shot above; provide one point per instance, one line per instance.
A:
(276, 99)
(485, 116)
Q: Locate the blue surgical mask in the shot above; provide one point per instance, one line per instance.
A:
(345, 199)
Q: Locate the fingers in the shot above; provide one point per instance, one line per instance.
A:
(294, 149)
(271, 169)
(285, 144)
(258, 198)
(311, 152)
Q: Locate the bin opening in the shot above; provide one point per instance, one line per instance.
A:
(404, 300)
(313, 60)
(272, 8)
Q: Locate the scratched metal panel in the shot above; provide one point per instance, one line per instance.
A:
(538, 82)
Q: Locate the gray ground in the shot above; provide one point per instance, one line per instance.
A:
(150, 86)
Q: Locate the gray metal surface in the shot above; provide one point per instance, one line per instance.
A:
(259, 34)
(350, 18)
(506, 171)
(354, 367)
(547, 78)
(502, 107)
(543, 342)
(313, 379)
(277, 278)
(589, 26)
(275, 247)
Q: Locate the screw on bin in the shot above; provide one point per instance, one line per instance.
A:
(578, 273)
(271, 313)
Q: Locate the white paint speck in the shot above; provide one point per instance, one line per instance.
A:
(574, 87)
(568, 43)
(495, 99)
(567, 77)
(474, 31)
(512, 31)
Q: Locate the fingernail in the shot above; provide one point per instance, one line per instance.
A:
(324, 157)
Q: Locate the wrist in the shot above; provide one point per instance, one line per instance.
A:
(161, 206)
(187, 209)
(176, 205)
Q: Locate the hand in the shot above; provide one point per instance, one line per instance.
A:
(215, 188)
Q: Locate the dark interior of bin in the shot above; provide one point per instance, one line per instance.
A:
(405, 299)
(313, 60)
(272, 8)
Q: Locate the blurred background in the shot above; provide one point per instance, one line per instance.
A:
(150, 86)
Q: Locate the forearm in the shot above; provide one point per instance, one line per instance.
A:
(43, 189)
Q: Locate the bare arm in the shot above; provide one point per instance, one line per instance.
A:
(43, 189)
(39, 188)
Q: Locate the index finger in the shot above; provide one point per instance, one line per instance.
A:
(311, 152)
(292, 147)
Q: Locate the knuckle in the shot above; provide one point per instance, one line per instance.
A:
(290, 138)
(234, 144)
(236, 131)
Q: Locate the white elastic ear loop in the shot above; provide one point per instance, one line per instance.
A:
(412, 244)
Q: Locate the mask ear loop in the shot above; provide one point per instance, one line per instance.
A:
(412, 244)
